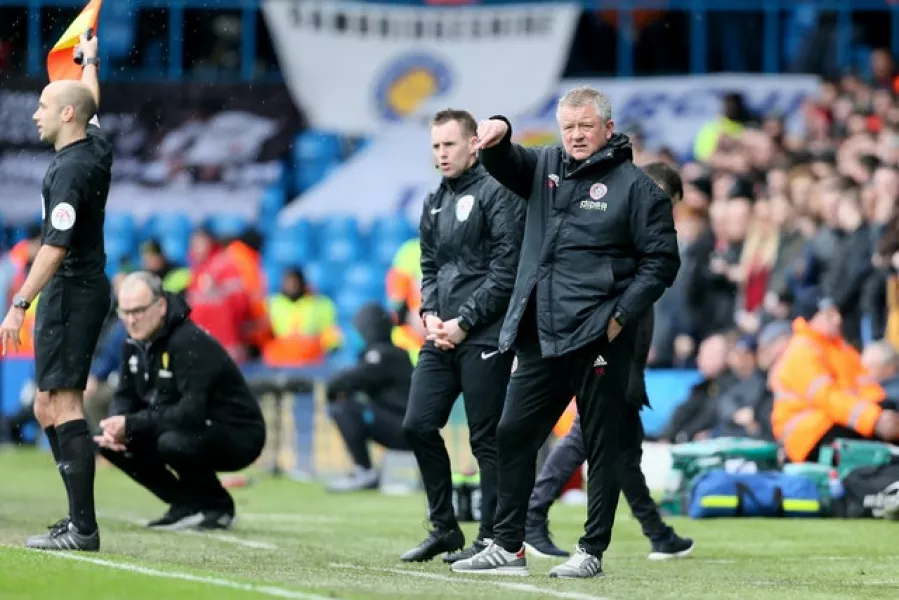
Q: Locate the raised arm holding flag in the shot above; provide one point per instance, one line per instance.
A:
(69, 274)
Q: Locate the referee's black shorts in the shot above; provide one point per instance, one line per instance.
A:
(70, 315)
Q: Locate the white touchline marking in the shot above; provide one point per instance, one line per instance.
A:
(518, 587)
(231, 539)
(223, 537)
(268, 590)
(297, 517)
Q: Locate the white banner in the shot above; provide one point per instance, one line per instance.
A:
(395, 172)
(355, 67)
(671, 110)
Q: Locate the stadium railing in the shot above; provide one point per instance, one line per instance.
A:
(696, 10)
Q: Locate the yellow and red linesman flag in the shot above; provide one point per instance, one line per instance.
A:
(60, 64)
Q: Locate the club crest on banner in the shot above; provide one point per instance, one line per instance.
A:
(464, 206)
(410, 81)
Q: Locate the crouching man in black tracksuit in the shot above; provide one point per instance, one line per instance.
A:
(383, 375)
(569, 453)
(471, 229)
(599, 249)
(181, 404)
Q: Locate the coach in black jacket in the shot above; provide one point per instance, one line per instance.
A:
(569, 453)
(599, 250)
(181, 404)
(383, 375)
(471, 230)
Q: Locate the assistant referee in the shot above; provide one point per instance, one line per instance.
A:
(68, 273)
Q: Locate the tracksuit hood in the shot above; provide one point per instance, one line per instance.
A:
(374, 324)
(177, 311)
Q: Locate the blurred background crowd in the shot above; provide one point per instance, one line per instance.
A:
(235, 186)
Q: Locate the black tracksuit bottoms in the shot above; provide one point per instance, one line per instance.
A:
(540, 389)
(569, 454)
(196, 457)
(481, 375)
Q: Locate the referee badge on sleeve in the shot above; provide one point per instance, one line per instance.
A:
(63, 216)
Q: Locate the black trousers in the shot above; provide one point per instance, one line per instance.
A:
(195, 457)
(569, 454)
(540, 389)
(358, 423)
(481, 374)
(67, 327)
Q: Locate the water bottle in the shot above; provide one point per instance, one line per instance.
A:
(836, 486)
(835, 504)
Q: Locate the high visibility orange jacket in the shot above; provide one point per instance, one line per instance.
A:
(820, 382)
(257, 329)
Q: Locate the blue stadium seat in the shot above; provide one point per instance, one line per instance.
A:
(168, 224)
(273, 272)
(227, 225)
(392, 227)
(384, 249)
(16, 235)
(345, 357)
(349, 301)
(175, 246)
(274, 197)
(119, 224)
(303, 228)
(309, 174)
(341, 250)
(313, 145)
(289, 249)
(361, 275)
(321, 277)
(667, 389)
(118, 247)
(366, 278)
(339, 226)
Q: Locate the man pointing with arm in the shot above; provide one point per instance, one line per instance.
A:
(599, 249)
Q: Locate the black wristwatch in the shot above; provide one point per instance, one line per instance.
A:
(463, 325)
(21, 302)
(619, 318)
(93, 60)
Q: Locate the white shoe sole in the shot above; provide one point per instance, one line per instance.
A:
(664, 556)
(537, 554)
(515, 571)
(189, 522)
(565, 576)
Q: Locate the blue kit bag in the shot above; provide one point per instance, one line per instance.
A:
(767, 494)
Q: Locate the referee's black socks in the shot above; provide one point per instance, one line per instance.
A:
(54, 442)
(76, 453)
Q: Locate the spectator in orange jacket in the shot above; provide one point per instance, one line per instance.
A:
(822, 391)
(219, 302)
(244, 252)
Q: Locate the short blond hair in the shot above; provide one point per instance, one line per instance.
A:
(584, 95)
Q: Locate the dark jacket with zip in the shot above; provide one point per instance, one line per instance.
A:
(599, 240)
(182, 380)
(471, 230)
(384, 372)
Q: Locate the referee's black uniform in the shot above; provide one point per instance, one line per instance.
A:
(71, 310)
(471, 230)
(72, 307)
